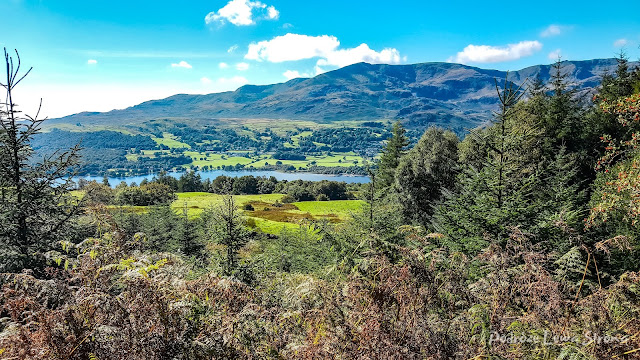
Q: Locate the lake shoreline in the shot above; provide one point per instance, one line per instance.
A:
(212, 174)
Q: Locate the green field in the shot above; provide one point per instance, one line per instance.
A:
(269, 217)
(269, 214)
(196, 202)
(170, 140)
(216, 160)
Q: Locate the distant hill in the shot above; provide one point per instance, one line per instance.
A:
(445, 94)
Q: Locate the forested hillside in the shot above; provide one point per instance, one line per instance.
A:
(520, 241)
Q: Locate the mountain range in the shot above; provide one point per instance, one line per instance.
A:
(444, 94)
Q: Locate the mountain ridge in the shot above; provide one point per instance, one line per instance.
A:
(438, 93)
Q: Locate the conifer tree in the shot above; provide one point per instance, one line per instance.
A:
(521, 184)
(496, 196)
(563, 122)
(391, 154)
(35, 203)
(189, 242)
(225, 225)
(425, 171)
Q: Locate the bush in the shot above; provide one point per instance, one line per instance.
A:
(287, 199)
(251, 223)
(322, 197)
(248, 207)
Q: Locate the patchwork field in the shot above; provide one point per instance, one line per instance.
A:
(269, 214)
(174, 144)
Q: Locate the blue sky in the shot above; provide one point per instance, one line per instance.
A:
(100, 55)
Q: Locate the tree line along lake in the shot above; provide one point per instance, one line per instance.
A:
(289, 176)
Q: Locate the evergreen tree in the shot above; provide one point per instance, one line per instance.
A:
(190, 181)
(425, 171)
(391, 154)
(563, 121)
(226, 226)
(521, 184)
(190, 244)
(35, 203)
(161, 227)
(496, 196)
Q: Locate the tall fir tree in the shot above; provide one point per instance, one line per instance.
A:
(225, 225)
(391, 154)
(563, 120)
(495, 196)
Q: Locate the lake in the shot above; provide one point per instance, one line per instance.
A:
(113, 181)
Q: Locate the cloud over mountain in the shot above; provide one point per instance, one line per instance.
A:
(293, 47)
(492, 54)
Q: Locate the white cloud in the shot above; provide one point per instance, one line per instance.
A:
(361, 53)
(223, 65)
(68, 98)
(243, 66)
(552, 30)
(620, 43)
(92, 62)
(272, 13)
(555, 55)
(232, 48)
(293, 47)
(491, 54)
(293, 74)
(182, 64)
(242, 13)
(205, 80)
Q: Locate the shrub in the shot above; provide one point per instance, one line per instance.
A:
(248, 207)
(287, 199)
(251, 223)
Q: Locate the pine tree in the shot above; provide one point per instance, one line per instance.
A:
(521, 184)
(35, 202)
(391, 154)
(563, 122)
(226, 226)
(187, 235)
(425, 171)
(497, 196)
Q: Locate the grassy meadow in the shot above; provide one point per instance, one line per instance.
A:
(270, 215)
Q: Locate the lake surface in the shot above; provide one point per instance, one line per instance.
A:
(113, 181)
